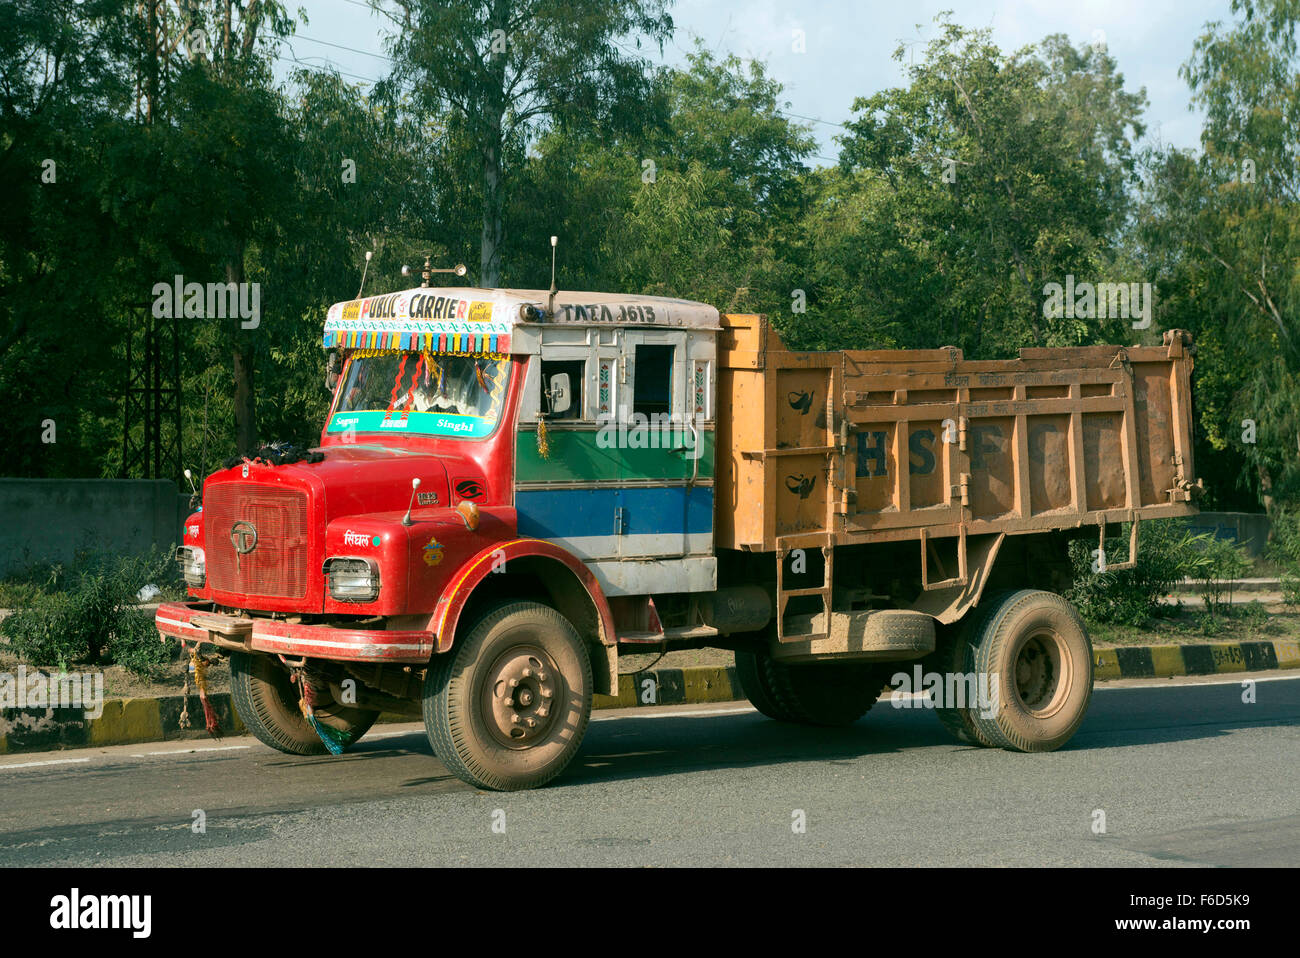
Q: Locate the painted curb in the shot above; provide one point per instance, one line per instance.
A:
(130, 721)
(1214, 658)
(123, 722)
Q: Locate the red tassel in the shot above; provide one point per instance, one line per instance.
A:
(210, 714)
(201, 680)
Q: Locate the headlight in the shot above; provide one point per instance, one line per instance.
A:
(352, 580)
(193, 565)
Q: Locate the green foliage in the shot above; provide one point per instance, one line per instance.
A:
(478, 147)
(48, 632)
(1284, 549)
(1222, 229)
(1166, 555)
(989, 176)
(135, 644)
(499, 70)
(1209, 624)
(1214, 566)
(1290, 588)
(89, 615)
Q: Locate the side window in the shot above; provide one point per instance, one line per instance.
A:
(552, 398)
(653, 390)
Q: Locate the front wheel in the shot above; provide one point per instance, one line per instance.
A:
(267, 703)
(507, 707)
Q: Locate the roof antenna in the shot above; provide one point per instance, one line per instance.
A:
(550, 308)
(369, 254)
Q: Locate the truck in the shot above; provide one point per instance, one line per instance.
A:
(514, 487)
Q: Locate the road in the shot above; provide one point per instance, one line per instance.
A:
(1184, 771)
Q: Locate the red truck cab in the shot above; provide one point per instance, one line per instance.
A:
(339, 582)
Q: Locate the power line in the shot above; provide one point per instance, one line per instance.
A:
(333, 68)
(339, 46)
(294, 58)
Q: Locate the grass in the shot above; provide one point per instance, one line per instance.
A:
(1244, 622)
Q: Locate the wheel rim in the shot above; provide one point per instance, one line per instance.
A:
(522, 697)
(1041, 673)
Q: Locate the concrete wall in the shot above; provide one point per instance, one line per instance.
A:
(49, 520)
(1247, 529)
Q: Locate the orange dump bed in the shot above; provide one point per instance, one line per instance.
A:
(840, 448)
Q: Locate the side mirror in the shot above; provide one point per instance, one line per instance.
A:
(333, 368)
(561, 398)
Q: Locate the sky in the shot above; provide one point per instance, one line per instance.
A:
(848, 46)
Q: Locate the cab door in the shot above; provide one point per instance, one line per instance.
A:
(666, 494)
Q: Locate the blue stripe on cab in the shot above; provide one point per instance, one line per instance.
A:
(569, 513)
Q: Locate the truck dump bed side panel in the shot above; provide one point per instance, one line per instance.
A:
(858, 446)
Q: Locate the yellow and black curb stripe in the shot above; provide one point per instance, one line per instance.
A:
(673, 687)
(1216, 658)
(130, 721)
(123, 722)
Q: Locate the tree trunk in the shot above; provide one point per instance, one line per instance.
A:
(244, 356)
(490, 124)
(493, 208)
(1266, 490)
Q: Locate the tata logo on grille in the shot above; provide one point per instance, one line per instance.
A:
(244, 537)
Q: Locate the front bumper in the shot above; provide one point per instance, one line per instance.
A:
(197, 622)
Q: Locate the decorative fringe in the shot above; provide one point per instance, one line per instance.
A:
(184, 721)
(370, 353)
(201, 679)
(543, 440)
(335, 740)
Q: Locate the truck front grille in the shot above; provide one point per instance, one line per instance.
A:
(277, 564)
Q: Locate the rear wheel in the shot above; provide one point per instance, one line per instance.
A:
(267, 703)
(507, 707)
(954, 655)
(752, 673)
(1036, 647)
(814, 693)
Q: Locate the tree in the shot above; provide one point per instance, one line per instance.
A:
(697, 194)
(1223, 229)
(505, 66)
(1003, 172)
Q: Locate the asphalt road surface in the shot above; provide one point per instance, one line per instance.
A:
(1184, 772)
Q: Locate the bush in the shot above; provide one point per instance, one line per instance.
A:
(1217, 564)
(136, 646)
(1166, 553)
(1284, 544)
(1284, 549)
(48, 632)
(89, 615)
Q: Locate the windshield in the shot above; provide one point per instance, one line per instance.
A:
(411, 392)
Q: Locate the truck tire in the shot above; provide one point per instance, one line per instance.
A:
(507, 707)
(752, 673)
(267, 703)
(813, 693)
(954, 653)
(1038, 648)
